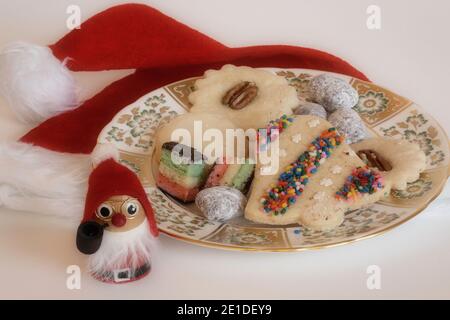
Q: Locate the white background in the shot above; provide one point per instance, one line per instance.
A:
(410, 55)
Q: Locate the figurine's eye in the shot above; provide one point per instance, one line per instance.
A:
(104, 211)
(132, 209)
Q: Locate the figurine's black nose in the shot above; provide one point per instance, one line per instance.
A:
(89, 237)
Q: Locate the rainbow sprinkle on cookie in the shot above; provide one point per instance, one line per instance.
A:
(362, 180)
(294, 178)
(268, 134)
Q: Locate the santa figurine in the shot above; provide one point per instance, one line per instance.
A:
(118, 229)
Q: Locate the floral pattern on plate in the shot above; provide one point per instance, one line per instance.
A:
(417, 127)
(136, 127)
(419, 192)
(414, 189)
(177, 219)
(181, 91)
(357, 224)
(371, 103)
(377, 104)
(299, 81)
(249, 237)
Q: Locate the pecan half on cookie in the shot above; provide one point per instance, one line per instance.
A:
(374, 160)
(241, 95)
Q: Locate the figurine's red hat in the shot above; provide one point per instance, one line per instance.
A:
(110, 178)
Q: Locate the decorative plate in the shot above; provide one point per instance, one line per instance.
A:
(385, 114)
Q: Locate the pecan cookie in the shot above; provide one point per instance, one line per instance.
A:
(400, 161)
(249, 97)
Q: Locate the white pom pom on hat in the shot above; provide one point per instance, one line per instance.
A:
(35, 83)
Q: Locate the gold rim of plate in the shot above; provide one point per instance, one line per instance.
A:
(132, 131)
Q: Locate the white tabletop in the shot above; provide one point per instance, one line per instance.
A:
(409, 55)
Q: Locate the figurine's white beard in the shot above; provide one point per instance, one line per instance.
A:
(128, 249)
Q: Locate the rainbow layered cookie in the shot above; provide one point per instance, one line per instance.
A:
(182, 171)
(238, 176)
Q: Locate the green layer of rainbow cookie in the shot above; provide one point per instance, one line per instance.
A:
(187, 175)
(182, 171)
(237, 176)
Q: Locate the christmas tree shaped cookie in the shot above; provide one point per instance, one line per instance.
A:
(318, 178)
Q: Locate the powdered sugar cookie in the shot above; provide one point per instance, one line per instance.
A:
(248, 97)
(332, 92)
(221, 203)
(401, 161)
(348, 123)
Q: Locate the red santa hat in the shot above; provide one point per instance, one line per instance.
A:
(110, 178)
(38, 84)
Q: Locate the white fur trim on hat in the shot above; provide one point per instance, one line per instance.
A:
(42, 181)
(35, 83)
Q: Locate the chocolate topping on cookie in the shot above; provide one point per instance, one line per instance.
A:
(188, 154)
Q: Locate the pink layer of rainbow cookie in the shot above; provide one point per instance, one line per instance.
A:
(176, 190)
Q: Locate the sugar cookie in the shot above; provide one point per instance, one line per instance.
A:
(248, 97)
(312, 184)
